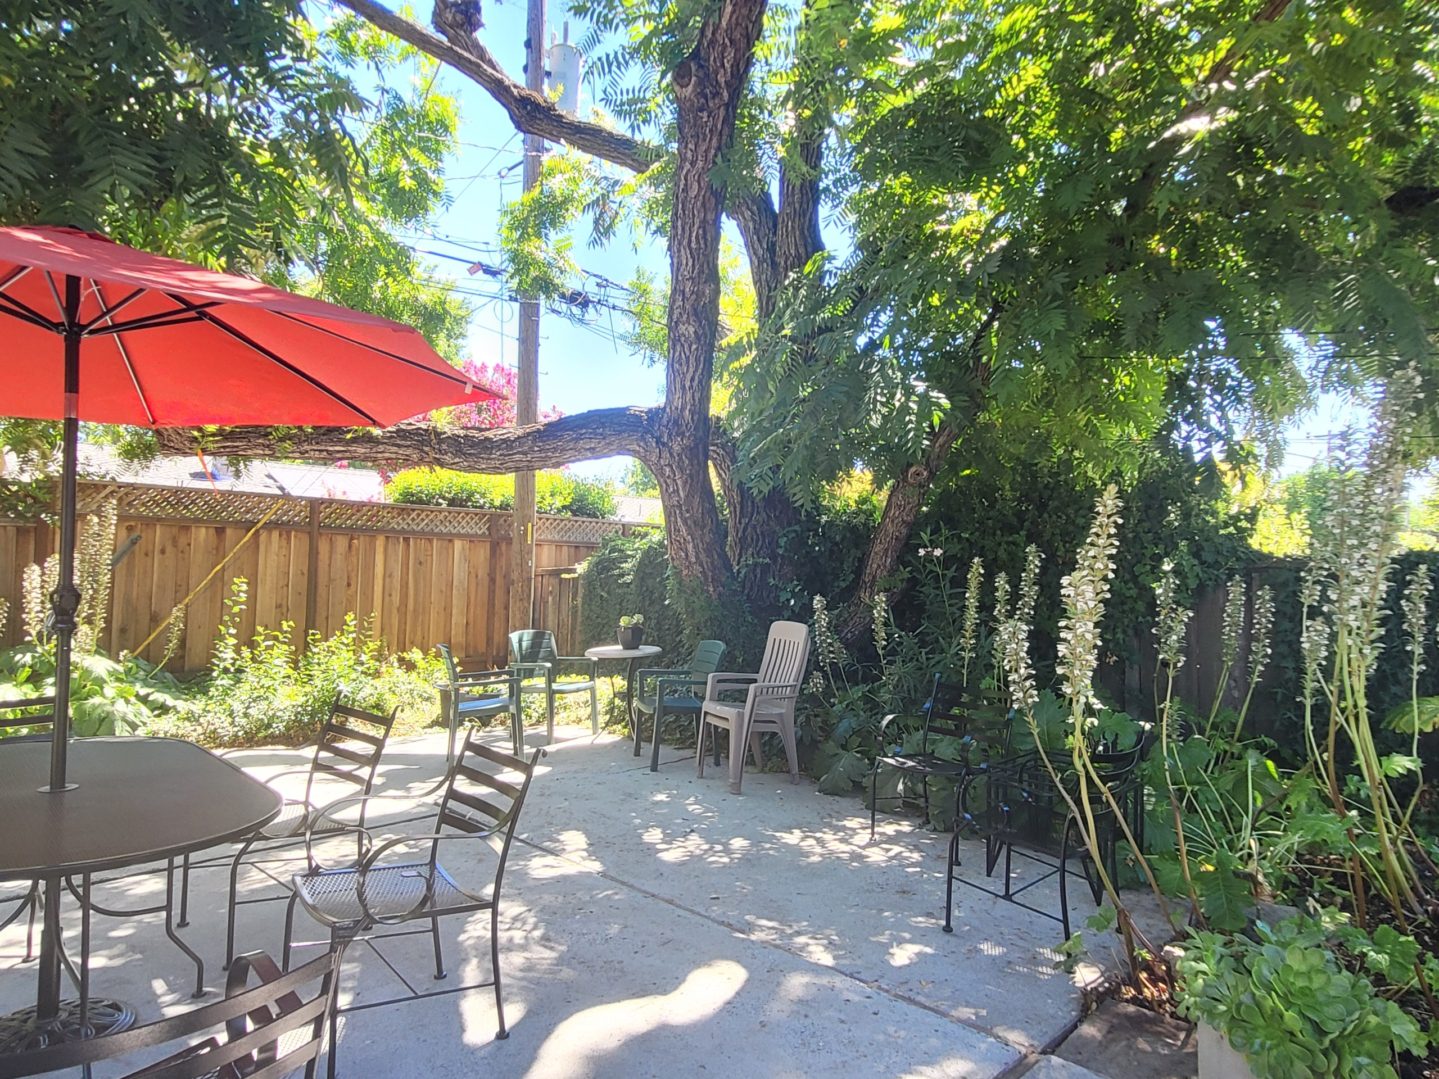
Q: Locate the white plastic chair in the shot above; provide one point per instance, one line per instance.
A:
(767, 705)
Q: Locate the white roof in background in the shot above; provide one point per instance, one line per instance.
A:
(635, 509)
(263, 477)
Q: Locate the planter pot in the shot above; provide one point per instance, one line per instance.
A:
(1218, 1059)
(631, 636)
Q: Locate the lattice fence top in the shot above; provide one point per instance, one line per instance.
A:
(245, 508)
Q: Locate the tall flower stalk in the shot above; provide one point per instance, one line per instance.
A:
(969, 627)
(1353, 546)
(1170, 630)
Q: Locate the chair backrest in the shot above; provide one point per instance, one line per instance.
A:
(350, 745)
(786, 653)
(958, 711)
(451, 668)
(26, 713)
(265, 1031)
(533, 646)
(486, 792)
(707, 658)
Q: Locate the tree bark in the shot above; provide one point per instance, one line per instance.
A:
(707, 86)
(583, 437)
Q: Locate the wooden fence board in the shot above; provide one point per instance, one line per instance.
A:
(424, 574)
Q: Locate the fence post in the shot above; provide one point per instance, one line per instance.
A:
(312, 580)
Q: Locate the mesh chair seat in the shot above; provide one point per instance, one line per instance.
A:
(391, 891)
(928, 763)
(293, 820)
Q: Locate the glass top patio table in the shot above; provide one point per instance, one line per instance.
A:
(136, 800)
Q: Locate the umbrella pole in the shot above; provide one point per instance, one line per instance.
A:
(66, 601)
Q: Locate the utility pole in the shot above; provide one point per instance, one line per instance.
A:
(527, 389)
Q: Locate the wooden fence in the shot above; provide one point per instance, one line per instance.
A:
(422, 574)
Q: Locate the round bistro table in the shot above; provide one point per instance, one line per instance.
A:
(135, 800)
(602, 652)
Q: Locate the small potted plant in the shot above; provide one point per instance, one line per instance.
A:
(632, 630)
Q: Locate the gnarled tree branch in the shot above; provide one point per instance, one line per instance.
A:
(583, 437)
(531, 113)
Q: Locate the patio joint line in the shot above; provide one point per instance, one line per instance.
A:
(893, 994)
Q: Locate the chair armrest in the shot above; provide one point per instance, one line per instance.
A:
(772, 690)
(884, 725)
(328, 811)
(717, 681)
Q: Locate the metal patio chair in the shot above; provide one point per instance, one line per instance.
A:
(272, 1029)
(23, 715)
(537, 662)
(348, 750)
(748, 705)
(1026, 815)
(483, 795)
(471, 695)
(673, 692)
(963, 731)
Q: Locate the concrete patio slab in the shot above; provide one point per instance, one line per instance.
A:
(655, 924)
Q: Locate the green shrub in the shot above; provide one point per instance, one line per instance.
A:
(555, 492)
(630, 575)
(267, 691)
(125, 696)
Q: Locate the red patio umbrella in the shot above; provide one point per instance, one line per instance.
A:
(94, 330)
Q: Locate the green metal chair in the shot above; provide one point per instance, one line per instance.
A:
(673, 692)
(473, 695)
(536, 664)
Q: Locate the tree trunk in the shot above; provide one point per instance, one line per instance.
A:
(757, 525)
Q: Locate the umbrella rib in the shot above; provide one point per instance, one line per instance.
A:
(64, 322)
(108, 313)
(25, 313)
(275, 358)
(375, 348)
(19, 272)
(178, 316)
(124, 353)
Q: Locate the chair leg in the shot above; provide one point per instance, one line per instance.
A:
(231, 904)
(439, 956)
(549, 718)
(703, 732)
(289, 931)
(737, 742)
(1064, 878)
(655, 740)
(948, 926)
(594, 708)
(791, 749)
(503, 1032)
(30, 922)
(332, 1058)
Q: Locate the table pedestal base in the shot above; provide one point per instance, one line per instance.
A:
(21, 1031)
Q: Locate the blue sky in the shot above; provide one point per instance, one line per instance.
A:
(581, 366)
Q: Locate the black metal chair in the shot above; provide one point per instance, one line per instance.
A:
(963, 730)
(1026, 814)
(18, 722)
(272, 1029)
(673, 692)
(470, 695)
(483, 795)
(537, 661)
(348, 749)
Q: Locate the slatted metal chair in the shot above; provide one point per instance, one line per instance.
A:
(268, 1030)
(963, 730)
(348, 750)
(468, 696)
(748, 705)
(537, 662)
(20, 720)
(483, 795)
(673, 692)
(1026, 814)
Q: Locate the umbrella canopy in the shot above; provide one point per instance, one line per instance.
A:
(168, 344)
(94, 330)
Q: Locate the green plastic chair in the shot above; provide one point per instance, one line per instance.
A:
(536, 664)
(473, 695)
(673, 692)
